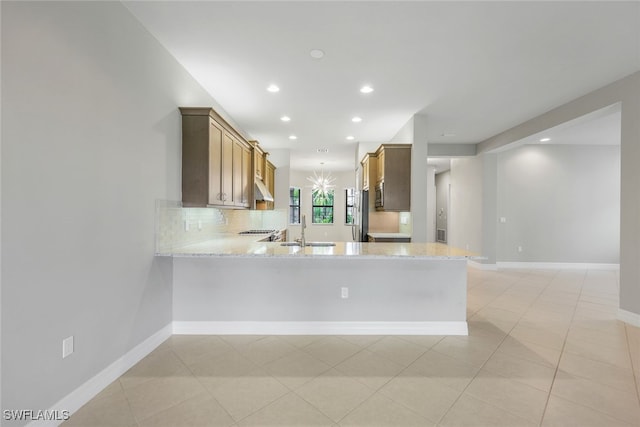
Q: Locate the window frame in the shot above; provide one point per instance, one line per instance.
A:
(349, 207)
(332, 207)
(293, 206)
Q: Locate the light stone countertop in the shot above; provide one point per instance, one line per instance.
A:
(247, 246)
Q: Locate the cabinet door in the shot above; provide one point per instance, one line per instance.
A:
(247, 177)
(227, 169)
(270, 182)
(365, 174)
(215, 161)
(237, 174)
(259, 162)
(381, 166)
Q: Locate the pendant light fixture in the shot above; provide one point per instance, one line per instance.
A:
(321, 182)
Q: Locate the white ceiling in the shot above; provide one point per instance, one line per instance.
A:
(474, 68)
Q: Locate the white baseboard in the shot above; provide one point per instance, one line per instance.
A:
(481, 266)
(629, 317)
(557, 266)
(87, 391)
(321, 328)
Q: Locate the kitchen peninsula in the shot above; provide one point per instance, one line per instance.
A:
(239, 286)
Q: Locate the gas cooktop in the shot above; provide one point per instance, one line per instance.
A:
(257, 232)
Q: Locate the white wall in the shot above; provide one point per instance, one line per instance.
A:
(561, 203)
(336, 232)
(91, 138)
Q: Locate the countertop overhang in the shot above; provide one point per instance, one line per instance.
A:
(247, 247)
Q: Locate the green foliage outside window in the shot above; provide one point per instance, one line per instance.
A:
(322, 207)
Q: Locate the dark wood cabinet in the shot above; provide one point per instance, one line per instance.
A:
(216, 161)
(394, 173)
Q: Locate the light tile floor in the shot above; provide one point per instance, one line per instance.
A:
(544, 349)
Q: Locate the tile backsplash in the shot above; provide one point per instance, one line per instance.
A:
(177, 226)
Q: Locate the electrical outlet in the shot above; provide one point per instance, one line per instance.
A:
(344, 293)
(199, 225)
(467, 246)
(186, 225)
(67, 346)
(503, 219)
(519, 248)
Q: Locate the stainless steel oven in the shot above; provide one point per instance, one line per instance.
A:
(380, 195)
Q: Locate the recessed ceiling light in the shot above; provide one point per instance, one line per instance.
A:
(350, 138)
(285, 118)
(316, 53)
(293, 137)
(356, 119)
(322, 150)
(273, 88)
(545, 139)
(366, 89)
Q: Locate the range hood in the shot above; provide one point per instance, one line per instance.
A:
(262, 192)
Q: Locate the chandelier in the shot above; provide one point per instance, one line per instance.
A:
(321, 183)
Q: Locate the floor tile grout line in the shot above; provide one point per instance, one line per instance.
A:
(128, 402)
(494, 352)
(558, 368)
(508, 334)
(564, 343)
(207, 390)
(293, 391)
(376, 391)
(256, 366)
(633, 367)
(139, 421)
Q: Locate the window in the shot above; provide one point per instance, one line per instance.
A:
(350, 211)
(322, 207)
(294, 205)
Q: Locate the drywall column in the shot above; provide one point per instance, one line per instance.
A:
(630, 205)
(431, 203)
(420, 183)
(489, 208)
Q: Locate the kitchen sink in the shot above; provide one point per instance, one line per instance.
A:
(316, 244)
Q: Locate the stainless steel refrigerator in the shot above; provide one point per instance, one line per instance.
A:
(363, 216)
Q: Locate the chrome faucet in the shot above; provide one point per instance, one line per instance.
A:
(303, 223)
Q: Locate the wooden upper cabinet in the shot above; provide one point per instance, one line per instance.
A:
(365, 172)
(380, 173)
(369, 170)
(258, 160)
(394, 170)
(213, 155)
(215, 196)
(238, 189)
(247, 178)
(270, 181)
